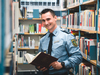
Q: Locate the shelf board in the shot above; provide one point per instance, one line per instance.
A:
(93, 62)
(30, 19)
(14, 49)
(31, 34)
(22, 63)
(89, 2)
(89, 31)
(13, 39)
(33, 19)
(65, 9)
(73, 6)
(35, 34)
(6, 74)
(63, 27)
(98, 32)
(73, 28)
(22, 18)
(7, 50)
(84, 3)
(36, 18)
(36, 47)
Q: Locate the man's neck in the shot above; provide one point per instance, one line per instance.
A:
(51, 31)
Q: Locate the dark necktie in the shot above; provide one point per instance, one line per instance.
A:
(50, 44)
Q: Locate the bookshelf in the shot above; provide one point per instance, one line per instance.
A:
(6, 38)
(36, 48)
(94, 4)
(32, 19)
(89, 31)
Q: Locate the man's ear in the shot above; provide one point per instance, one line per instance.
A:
(55, 17)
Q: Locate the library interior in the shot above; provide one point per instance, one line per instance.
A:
(24, 37)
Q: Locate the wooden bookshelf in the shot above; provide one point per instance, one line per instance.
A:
(36, 18)
(7, 50)
(22, 18)
(36, 47)
(22, 63)
(73, 28)
(89, 31)
(65, 9)
(33, 19)
(35, 34)
(6, 74)
(98, 32)
(32, 34)
(73, 6)
(84, 3)
(93, 62)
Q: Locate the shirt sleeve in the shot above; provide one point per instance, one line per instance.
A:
(39, 50)
(75, 55)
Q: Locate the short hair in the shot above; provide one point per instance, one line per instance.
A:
(48, 10)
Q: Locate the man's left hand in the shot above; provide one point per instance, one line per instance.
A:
(56, 65)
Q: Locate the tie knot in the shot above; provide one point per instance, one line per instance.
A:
(51, 34)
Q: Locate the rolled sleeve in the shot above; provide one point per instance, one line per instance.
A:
(75, 56)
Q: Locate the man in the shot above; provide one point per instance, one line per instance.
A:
(64, 46)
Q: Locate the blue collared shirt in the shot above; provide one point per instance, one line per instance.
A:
(63, 49)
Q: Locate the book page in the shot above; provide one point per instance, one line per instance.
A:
(36, 56)
(29, 57)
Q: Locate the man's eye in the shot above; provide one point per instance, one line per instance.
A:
(43, 20)
(48, 19)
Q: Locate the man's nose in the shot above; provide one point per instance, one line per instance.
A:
(46, 22)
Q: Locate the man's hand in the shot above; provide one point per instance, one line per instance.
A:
(42, 69)
(56, 65)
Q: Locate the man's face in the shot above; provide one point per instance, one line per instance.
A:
(49, 21)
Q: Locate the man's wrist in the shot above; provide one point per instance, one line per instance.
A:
(63, 64)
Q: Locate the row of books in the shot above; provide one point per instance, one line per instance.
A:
(73, 20)
(98, 53)
(71, 3)
(86, 69)
(81, 1)
(27, 43)
(32, 28)
(87, 47)
(87, 20)
(23, 13)
(99, 21)
(41, 2)
(21, 57)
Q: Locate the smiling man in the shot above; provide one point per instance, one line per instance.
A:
(58, 44)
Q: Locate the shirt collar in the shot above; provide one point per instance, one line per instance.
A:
(56, 31)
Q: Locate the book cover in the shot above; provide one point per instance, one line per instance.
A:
(41, 59)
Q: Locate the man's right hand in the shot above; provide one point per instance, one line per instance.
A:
(42, 69)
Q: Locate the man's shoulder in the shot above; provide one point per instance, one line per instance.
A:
(67, 34)
(65, 31)
(43, 37)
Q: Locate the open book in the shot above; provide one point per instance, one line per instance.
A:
(41, 59)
